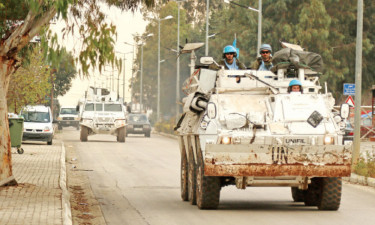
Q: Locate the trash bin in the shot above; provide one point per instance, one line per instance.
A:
(16, 131)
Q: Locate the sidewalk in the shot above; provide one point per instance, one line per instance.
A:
(40, 196)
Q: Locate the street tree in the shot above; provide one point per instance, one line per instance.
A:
(64, 75)
(21, 20)
(168, 44)
(30, 84)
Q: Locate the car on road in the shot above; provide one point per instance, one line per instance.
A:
(349, 132)
(68, 116)
(138, 124)
(37, 123)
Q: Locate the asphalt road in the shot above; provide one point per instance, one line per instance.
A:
(137, 182)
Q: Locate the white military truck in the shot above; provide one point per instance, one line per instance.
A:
(68, 116)
(243, 128)
(101, 113)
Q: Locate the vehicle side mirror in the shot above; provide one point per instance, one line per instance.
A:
(344, 111)
(77, 108)
(128, 109)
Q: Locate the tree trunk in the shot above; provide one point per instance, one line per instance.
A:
(6, 178)
(10, 46)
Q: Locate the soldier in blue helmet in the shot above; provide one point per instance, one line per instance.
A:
(230, 60)
(295, 86)
(264, 62)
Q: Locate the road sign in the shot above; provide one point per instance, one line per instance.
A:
(350, 101)
(349, 89)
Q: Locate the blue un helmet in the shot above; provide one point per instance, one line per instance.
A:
(229, 49)
(265, 47)
(294, 83)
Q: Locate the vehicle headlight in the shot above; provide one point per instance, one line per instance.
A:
(120, 123)
(76, 118)
(47, 129)
(226, 140)
(130, 126)
(146, 126)
(329, 140)
(58, 118)
(204, 124)
(86, 120)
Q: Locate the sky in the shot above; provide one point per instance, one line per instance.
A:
(127, 24)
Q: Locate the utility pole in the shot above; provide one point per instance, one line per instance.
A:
(178, 63)
(358, 84)
(207, 16)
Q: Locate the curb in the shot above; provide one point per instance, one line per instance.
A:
(362, 180)
(166, 135)
(65, 202)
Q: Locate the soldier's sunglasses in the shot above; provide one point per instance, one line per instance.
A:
(264, 52)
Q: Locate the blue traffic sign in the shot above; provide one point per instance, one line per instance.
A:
(349, 89)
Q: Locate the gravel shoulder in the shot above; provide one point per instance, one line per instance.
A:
(84, 206)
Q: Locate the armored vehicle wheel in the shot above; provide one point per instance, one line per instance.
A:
(208, 190)
(192, 184)
(184, 177)
(84, 133)
(312, 194)
(330, 197)
(297, 194)
(49, 142)
(148, 134)
(121, 135)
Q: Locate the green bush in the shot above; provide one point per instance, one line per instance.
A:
(365, 168)
(166, 126)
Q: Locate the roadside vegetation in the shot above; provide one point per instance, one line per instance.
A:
(366, 167)
(166, 126)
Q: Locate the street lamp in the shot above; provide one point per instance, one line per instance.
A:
(178, 60)
(259, 11)
(158, 103)
(143, 37)
(123, 84)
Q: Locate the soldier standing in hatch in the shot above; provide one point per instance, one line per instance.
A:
(264, 62)
(230, 60)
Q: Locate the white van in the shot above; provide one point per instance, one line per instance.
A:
(37, 123)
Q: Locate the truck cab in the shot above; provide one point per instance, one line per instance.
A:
(68, 116)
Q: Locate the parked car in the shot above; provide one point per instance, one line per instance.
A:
(138, 124)
(37, 124)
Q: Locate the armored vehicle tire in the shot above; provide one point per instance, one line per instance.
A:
(192, 183)
(49, 142)
(330, 197)
(297, 194)
(148, 134)
(184, 178)
(121, 135)
(208, 190)
(84, 133)
(312, 194)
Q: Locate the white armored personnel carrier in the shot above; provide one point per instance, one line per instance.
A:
(102, 113)
(243, 128)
